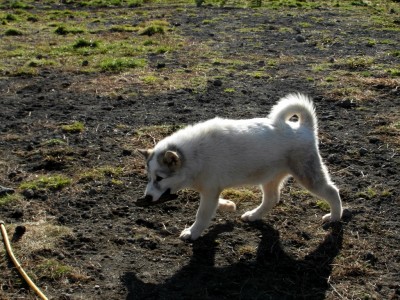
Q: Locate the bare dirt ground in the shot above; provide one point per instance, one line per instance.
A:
(120, 251)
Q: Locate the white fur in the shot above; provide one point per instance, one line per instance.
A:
(221, 153)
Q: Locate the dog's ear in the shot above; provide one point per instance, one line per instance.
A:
(145, 152)
(172, 160)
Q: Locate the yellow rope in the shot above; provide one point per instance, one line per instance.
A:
(16, 263)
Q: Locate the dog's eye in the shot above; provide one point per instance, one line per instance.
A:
(159, 178)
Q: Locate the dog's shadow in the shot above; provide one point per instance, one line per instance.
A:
(273, 274)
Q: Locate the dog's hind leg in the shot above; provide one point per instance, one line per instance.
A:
(315, 178)
(329, 192)
(271, 193)
(206, 211)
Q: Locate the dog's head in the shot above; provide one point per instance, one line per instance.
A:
(164, 170)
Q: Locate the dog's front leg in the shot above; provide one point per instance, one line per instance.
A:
(206, 211)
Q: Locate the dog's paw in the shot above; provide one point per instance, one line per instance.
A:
(250, 216)
(226, 205)
(188, 235)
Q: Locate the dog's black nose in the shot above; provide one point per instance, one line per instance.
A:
(148, 198)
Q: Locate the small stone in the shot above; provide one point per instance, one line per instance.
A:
(28, 193)
(17, 214)
(363, 151)
(347, 214)
(65, 296)
(374, 140)
(347, 103)
(217, 82)
(126, 152)
(5, 190)
(371, 258)
(96, 287)
(300, 38)
(333, 159)
(20, 230)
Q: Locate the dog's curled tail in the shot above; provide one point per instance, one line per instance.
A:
(295, 104)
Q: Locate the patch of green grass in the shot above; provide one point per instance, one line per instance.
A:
(259, 75)
(150, 43)
(11, 17)
(25, 71)
(52, 269)
(386, 193)
(206, 22)
(64, 30)
(75, 127)
(371, 42)
(369, 193)
(112, 3)
(293, 4)
(100, 173)
(154, 27)
(35, 63)
(32, 18)
(53, 183)
(357, 62)
(149, 79)
(82, 43)
(251, 29)
(54, 142)
(123, 28)
(320, 67)
(120, 64)
(393, 72)
(117, 182)
(304, 24)
(20, 5)
(396, 125)
(13, 32)
(284, 29)
(330, 79)
(9, 198)
(163, 49)
(299, 192)
(240, 195)
(323, 205)
(152, 30)
(229, 90)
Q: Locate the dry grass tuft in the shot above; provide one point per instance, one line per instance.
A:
(40, 240)
(356, 87)
(242, 196)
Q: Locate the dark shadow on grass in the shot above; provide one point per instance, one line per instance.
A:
(273, 275)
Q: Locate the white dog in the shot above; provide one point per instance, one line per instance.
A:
(219, 153)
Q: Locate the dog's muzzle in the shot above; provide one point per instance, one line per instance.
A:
(148, 199)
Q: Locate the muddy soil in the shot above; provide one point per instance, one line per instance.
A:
(130, 252)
